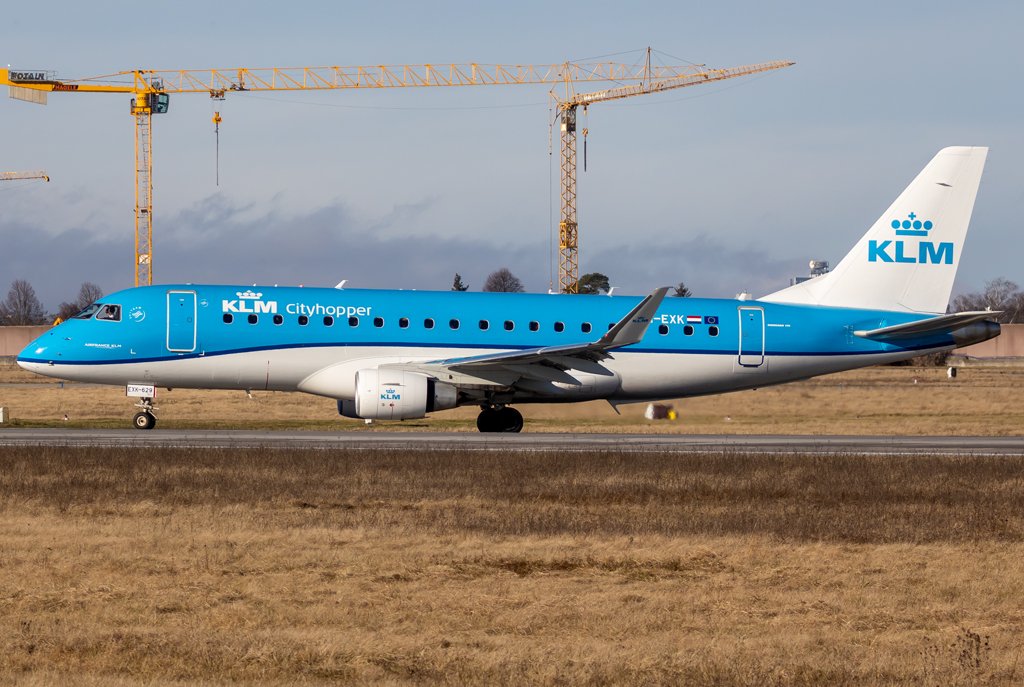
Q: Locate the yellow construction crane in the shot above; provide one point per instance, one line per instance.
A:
(152, 88)
(652, 81)
(13, 176)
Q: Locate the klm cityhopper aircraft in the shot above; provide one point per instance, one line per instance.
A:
(401, 354)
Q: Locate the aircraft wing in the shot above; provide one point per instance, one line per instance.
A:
(528, 362)
(933, 325)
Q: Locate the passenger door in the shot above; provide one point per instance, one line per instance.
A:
(181, 321)
(751, 349)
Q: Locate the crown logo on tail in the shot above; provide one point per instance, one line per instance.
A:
(912, 226)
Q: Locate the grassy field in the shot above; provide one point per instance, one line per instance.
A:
(880, 400)
(128, 567)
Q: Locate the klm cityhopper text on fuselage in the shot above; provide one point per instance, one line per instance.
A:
(249, 302)
(403, 354)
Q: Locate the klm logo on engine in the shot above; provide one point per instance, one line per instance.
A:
(902, 250)
(249, 302)
(391, 394)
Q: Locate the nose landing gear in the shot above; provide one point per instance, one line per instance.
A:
(144, 419)
(499, 419)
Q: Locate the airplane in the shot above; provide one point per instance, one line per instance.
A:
(394, 355)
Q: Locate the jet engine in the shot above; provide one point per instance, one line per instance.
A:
(397, 395)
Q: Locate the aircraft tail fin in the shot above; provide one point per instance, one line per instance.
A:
(908, 259)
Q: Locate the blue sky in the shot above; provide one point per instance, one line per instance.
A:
(727, 187)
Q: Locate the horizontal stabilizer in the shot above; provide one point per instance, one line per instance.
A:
(933, 325)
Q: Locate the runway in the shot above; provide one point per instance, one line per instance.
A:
(628, 443)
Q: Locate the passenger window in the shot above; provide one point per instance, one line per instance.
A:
(559, 327)
(688, 330)
(228, 318)
(484, 325)
(328, 321)
(509, 325)
(663, 329)
(534, 326)
(585, 327)
(253, 319)
(378, 322)
(303, 320)
(713, 330)
(403, 322)
(454, 324)
(109, 312)
(278, 319)
(428, 323)
(353, 321)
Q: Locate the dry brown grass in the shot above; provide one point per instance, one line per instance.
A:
(175, 566)
(882, 400)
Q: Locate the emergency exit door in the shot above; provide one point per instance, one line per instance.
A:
(181, 321)
(751, 337)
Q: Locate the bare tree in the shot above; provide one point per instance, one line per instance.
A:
(89, 293)
(21, 307)
(1000, 294)
(503, 280)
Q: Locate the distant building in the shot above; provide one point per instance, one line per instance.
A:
(818, 268)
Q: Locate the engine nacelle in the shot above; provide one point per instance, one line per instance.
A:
(397, 395)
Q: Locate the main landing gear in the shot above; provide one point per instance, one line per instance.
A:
(144, 419)
(499, 419)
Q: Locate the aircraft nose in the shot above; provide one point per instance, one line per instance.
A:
(38, 353)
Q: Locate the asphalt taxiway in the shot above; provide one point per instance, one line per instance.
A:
(382, 439)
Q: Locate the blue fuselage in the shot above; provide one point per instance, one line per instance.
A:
(284, 338)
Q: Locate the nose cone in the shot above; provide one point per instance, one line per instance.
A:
(34, 356)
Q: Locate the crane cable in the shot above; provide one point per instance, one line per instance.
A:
(217, 119)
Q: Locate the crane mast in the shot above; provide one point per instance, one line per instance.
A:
(652, 81)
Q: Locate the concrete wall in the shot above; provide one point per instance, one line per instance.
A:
(1009, 344)
(13, 339)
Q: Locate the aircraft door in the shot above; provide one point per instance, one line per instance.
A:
(751, 353)
(181, 321)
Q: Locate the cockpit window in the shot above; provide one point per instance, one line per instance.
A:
(88, 312)
(109, 311)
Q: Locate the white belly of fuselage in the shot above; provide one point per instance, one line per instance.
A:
(330, 371)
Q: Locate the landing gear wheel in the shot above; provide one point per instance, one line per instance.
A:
(487, 420)
(144, 421)
(510, 419)
(499, 420)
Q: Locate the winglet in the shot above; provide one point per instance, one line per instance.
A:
(631, 328)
